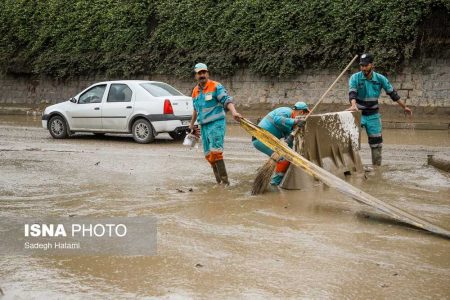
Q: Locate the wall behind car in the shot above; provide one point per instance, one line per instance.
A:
(427, 86)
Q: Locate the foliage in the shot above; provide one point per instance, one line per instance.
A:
(275, 38)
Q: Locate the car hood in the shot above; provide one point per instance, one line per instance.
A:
(56, 106)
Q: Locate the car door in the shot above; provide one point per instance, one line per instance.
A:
(87, 112)
(118, 107)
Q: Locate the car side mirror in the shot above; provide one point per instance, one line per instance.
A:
(73, 100)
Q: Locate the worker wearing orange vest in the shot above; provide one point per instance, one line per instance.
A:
(211, 102)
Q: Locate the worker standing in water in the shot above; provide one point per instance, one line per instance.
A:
(280, 122)
(364, 91)
(211, 102)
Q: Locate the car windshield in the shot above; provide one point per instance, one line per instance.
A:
(159, 89)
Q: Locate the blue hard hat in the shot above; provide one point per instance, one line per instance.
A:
(300, 106)
(200, 67)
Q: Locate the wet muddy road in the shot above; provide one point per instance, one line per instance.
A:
(217, 242)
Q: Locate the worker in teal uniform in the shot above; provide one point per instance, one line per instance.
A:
(211, 102)
(280, 122)
(364, 91)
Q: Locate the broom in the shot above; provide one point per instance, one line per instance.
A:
(265, 172)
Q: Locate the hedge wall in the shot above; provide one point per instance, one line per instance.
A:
(276, 38)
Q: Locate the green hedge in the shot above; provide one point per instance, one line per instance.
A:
(276, 38)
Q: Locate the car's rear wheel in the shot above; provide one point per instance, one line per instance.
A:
(177, 135)
(57, 127)
(143, 131)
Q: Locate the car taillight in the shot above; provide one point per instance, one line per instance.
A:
(168, 109)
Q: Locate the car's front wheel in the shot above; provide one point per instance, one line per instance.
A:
(57, 127)
(177, 135)
(143, 131)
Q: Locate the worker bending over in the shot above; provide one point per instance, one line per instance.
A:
(280, 122)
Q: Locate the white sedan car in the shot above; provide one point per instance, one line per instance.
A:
(143, 108)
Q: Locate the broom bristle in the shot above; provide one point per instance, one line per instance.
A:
(263, 176)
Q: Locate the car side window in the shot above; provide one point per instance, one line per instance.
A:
(93, 95)
(119, 92)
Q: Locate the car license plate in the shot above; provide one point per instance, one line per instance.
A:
(185, 122)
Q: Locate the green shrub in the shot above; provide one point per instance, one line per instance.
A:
(276, 38)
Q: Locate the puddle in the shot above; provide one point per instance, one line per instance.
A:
(220, 242)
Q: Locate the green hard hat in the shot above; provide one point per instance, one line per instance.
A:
(300, 106)
(200, 67)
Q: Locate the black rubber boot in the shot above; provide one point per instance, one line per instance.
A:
(376, 156)
(220, 164)
(216, 173)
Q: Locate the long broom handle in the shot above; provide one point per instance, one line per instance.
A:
(331, 86)
(294, 133)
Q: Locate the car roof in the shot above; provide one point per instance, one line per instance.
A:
(128, 81)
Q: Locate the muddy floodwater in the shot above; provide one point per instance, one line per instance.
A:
(219, 242)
